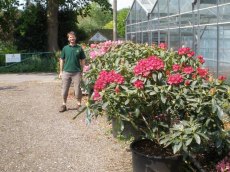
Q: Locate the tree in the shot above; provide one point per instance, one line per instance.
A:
(96, 20)
(31, 29)
(109, 25)
(66, 24)
(80, 6)
(8, 17)
(121, 17)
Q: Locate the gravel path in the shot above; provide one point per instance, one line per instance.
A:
(35, 137)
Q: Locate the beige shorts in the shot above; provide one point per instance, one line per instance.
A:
(67, 79)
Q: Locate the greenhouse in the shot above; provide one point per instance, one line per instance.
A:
(203, 25)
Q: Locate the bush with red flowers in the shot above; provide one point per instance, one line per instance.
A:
(169, 96)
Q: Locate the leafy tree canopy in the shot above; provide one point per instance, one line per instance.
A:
(96, 20)
(121, 17)
(8, 17)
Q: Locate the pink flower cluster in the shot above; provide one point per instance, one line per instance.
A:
(175, 79)
(86, 68)
(222, 78)
(224, 165)
(163, 46)
(105, 78)
(145, 66)
(102, 48)
(176, 67)
(188, 70)
(201, 59)
(138, 84)
(202, 72)
(186, 51)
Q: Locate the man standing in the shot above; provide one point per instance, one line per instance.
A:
(72, 61)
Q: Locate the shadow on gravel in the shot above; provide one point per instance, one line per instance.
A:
(80, 110)
(8, 88)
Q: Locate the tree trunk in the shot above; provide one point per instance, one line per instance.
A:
(52, 19)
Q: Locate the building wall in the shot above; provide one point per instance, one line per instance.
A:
(204, 26)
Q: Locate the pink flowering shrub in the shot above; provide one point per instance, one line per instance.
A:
(158, 90)
(102, 48)
(224, 164)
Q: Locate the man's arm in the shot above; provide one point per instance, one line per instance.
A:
(61, 67)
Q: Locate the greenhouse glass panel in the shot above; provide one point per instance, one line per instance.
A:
(153, 24)
(128, 21)
(137, 27)
(185, 6)
(196, 17)
(144, 26)
(163, 23)
(173, 7)
(186, 19)
(163, 36)
(155, 12)
(128, 36)
(208, 16)
(133, 37)
(174, 21)
(208, 46)
(155, 37)
(224, 50)
(144, 1)
(133, 14)
(138, 13)
(207, 3)
(224, 13)
(152, 1)
(186, 37)
(223, 1)
(139, 38)
(174, 40)
(147, 4)
(133, 28)
(142, 15)
(145, 38)
(128, 28)
(163, 8)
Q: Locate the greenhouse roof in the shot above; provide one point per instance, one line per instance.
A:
(147, 5)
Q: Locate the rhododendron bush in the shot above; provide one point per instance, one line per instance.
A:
(157, 89)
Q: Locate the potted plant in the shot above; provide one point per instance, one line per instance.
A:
(119, 58)
(166, 95)
(183, 104)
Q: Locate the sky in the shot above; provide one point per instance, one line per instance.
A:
(123, 3)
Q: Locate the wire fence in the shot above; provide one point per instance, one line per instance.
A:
(30, 62)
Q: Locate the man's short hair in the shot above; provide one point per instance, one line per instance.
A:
(71, 33)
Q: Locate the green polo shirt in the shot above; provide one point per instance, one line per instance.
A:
(72, 56)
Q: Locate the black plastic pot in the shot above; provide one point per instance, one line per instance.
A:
(145, 163)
